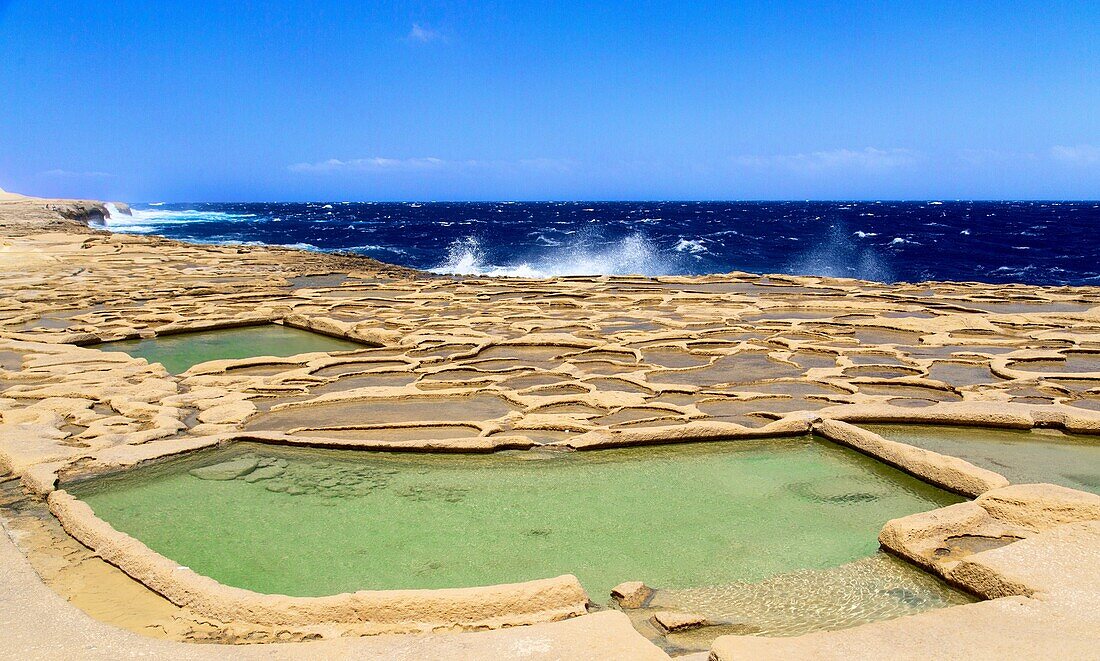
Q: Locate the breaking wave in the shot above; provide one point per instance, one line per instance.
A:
(146, 221)
(634, 254)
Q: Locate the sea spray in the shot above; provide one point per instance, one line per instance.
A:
(634, 254)
(837, 255)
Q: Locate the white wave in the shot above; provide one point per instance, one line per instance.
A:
(237, 242)
(144, 221)
(368, 247)
(863, 235)
(692, 246)
(634, 254)
(899, 241)
(114, 211)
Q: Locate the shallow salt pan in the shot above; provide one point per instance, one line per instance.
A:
(318, 522)
(180, 352)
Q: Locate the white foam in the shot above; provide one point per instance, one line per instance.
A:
(145, 221)
(367, 247)
(634, 254)
(542, 240)
(692, 246)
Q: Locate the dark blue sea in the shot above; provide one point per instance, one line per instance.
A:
(1050, 243)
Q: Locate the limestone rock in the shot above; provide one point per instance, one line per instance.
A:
(679, 621)
(632, 594)
(1040, 506)
(228, 413)
(264, 473)
(227, 470)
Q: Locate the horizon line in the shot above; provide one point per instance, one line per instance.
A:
(943, 200)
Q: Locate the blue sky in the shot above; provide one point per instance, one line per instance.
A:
(309, 100)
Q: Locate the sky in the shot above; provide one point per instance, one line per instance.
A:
(324, 100)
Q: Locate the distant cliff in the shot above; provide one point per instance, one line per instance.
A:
(21, 215)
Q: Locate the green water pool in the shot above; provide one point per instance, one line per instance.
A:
(314, 522)
(1022, 456)
(180, 352)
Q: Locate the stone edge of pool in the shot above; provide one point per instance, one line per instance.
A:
(362, 333)
(376, 611)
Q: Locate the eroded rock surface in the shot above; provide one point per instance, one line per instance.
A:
(477, 364)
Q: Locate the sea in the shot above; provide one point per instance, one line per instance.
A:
(1034, 242)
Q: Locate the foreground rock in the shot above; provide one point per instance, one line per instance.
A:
(679, 621)
(632, 594)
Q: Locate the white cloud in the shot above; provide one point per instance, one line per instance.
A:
(423, 34)
(74, 174)
(375, 164)
(869, 158)
(380, 164)
(1077, 154)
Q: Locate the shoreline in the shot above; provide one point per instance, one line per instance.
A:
(573, 363)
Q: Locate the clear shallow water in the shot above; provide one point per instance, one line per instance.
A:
(315, 522)
(1022, 456)
(181, 351)
(1033, 242)
(869, 589)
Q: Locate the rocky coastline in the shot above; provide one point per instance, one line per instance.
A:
(479, 364)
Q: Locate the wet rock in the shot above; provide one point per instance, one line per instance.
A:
(264, 473)
(678, 621)
(228, 470)
(632, 594)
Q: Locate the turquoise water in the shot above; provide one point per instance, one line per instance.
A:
(315, 522)
(181, 351)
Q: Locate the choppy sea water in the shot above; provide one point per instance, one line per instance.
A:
(1051, 243)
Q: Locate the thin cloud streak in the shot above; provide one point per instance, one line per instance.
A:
(380, 164)
(869, 158)
(76, 175)
(1077, 154)
(375, 164)
(422, 34)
